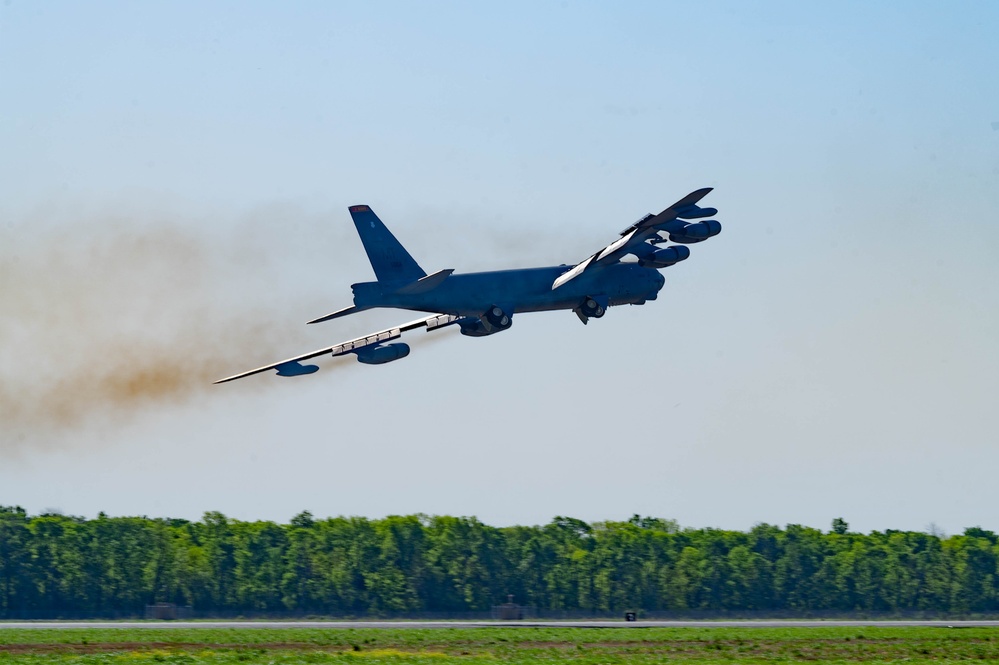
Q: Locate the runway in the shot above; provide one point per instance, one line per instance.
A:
(250, 625)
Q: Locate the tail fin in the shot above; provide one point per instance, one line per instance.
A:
(390, 260)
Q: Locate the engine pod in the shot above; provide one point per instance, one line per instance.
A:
(696, 232)
(381, 354)
(295, 368)
(671, 255)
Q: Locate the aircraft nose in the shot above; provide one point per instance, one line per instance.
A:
(659, 280)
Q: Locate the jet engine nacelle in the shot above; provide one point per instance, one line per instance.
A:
(592, 308)
(693, 212)
(497, 318)
(381, 354)
(494, 320)
(475, 329)
(696, 232)
(664, 258)
(479, 328)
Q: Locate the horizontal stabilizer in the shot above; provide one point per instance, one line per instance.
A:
(427, 283)
(346, 311)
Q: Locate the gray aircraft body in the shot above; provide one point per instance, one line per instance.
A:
(484, 303)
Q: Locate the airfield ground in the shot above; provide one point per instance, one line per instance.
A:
(522, 645)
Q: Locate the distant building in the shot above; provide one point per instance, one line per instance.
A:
(510, 611)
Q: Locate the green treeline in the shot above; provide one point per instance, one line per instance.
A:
(54, 565)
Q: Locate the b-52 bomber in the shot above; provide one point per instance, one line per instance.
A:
(484, 303)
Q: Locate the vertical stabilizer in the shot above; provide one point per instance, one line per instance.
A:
(389, 259)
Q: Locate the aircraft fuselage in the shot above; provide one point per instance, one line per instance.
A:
(523, 290)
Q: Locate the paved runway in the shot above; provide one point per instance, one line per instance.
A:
(492, 624)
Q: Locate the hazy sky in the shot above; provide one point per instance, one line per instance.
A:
(174, 179)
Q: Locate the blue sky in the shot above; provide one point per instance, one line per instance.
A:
(173, 188)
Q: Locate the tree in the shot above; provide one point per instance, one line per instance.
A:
(54, 565)
(14, 537)
(978, 532)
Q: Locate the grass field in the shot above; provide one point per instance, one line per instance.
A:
(498, 645)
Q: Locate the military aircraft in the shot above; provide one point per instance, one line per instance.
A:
(484, 303)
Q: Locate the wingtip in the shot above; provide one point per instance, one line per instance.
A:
(700, 193)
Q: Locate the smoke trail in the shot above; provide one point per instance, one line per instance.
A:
(107, 316)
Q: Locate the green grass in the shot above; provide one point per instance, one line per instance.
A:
(470, 646)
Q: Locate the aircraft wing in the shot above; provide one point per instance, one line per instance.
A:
(293, 366)
(637, 234)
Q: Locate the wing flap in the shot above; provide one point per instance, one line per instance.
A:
(293, 366)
